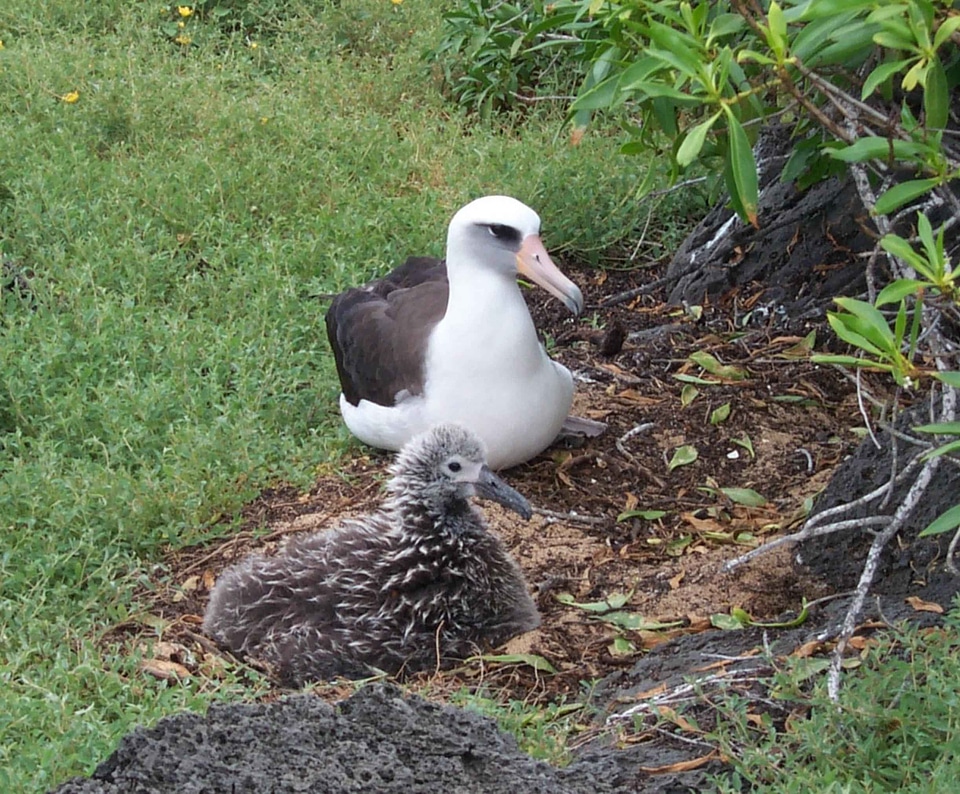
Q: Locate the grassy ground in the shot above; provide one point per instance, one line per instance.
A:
(180, 207)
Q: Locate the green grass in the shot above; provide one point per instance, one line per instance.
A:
(181, 219)
(541, 731)
(896, 727)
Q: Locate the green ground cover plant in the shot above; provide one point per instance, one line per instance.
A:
(178, 187)
(896, 727)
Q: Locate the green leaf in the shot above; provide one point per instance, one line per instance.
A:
(621, 646)
(950, 378)
(901, 249)
(744, 169)
(848, 46)
(693, 142)
(778, 25)
(945, 31)
(943, 449)
(875, 325)
(684, 378)
(683, 456)
(941, 428)
(936, 96)
(881, 74)
(925, 232)
(647, 515)
(873, 147)
(530, 659)
(832, 8)
(895, 39)
(635, 622)
(597, 96)
(900, 194)
(897, 290)
(688, 394)
(744, 496)
(714, 367)
(841, 325)
(746, 443)
(726, 622)
(945, 522)
(611, 602)
(675, 48)
(720, 414)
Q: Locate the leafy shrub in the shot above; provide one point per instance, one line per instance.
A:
(496, 54)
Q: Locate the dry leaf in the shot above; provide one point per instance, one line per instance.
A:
(703, 524)
(755, 719)
(924, 606)
(166, 650)
(635, 397)
(164, 670)
(674, 581)
(682, 766)
(681, 722)
(698, 623)
(630, 503)
(650, 693)
(808, 649)
(209, 579)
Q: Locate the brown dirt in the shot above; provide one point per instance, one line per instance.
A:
(795, 414)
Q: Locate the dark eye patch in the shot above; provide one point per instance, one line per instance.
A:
(454, 466)
(504, 233)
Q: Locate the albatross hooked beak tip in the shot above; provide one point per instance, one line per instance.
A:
(491, 487)
(535, 263)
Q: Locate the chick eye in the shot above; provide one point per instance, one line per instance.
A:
(454, 466)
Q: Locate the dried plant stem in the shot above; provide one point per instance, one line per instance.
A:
(903, 512)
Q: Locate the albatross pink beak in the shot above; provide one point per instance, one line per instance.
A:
(535, 263)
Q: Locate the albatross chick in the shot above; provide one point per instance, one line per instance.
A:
(390, 590)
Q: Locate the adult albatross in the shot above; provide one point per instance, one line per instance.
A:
(432, 343)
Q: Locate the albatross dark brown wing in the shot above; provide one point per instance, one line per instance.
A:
(379, 332)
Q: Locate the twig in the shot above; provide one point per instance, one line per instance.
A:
(806, 533)
(900, 516)
(630, 434)
(951, 550)
(914, 495)
(866, 498)
(623, 297)
(573, 518)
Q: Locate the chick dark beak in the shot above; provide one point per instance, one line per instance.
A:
(490, 486)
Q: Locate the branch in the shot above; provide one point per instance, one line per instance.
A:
(903, 512)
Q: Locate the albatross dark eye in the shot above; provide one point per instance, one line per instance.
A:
(454, 466)
(503, 232)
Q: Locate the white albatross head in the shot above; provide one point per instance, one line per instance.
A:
(504, 235)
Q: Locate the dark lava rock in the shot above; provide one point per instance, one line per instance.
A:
(377, 741)
(909, 565)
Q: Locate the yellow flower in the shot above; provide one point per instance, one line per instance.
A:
(253, 45)
(1, 44)
(396, 2)
(70, 98)
(183, 38)
(185, 11)
(181, 24)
